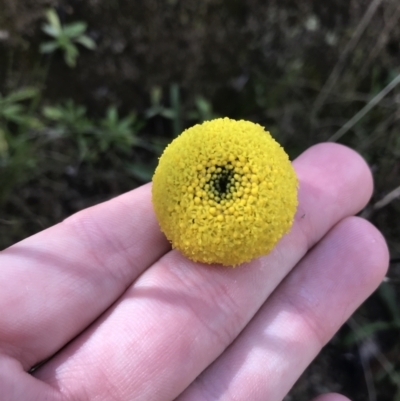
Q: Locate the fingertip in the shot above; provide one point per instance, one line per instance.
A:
(331, 397)
(334, 182)
(371, 246)
(333, 159)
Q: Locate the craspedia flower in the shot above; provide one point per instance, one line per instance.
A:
(224, 192)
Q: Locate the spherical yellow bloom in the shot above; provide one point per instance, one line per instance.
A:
(224, 192)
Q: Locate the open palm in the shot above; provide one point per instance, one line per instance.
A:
(116, 315)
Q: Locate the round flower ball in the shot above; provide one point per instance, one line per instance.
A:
(224, 192)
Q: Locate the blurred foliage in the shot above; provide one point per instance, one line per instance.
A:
(70, 138)
(65, 38)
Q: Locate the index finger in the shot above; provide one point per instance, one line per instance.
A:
(55, 283)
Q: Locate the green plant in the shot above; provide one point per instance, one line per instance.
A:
(203, 111)
(366, 331)
(68, 118)
(157, 108)
(12, 109)
(117, 131)
(15, 118)
(17, 127)
(172, 113)
(65, 37)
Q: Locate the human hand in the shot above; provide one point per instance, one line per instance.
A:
(117, 315)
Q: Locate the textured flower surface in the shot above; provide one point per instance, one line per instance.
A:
(224, 192)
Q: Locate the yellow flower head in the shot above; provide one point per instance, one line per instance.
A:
(224, 192)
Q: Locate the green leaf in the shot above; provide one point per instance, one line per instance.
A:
(21, 94)
(127, 122)
(174, 95)
(168, 113)
(34, 122)
(155, 95)
(48, 47)
(103, 144)
(85, 41)
(112, 115)
(53, 113)
(367, 331)
(12, 112)
(3, 143)
(53, 19)
(153, 111)
(50, 30)
(70, 55)
(204, 108)
(74, 29)
(74, 109)
(388, 295)
(64, 41)
(143, 172)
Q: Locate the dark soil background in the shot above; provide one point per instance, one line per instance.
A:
(300, 68)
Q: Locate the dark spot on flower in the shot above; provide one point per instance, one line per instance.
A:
(221, 181)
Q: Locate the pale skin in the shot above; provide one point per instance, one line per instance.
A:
(119, 316)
